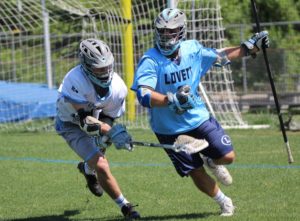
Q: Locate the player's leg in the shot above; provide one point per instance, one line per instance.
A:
(219, 171)
(91, 178)
(207, 185)
(111, 186)
(86, 148)
(219, 152)
(192, 165)
(82, 145)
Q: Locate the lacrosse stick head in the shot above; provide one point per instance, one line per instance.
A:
(189, 144)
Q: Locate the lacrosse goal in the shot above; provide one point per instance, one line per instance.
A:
(39, 44)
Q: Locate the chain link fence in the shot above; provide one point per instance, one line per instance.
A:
(251, 77)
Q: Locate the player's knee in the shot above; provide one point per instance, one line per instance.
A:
(102, 167)
(226, 159)
(229, 158)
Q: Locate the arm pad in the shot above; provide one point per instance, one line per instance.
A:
(144, 96)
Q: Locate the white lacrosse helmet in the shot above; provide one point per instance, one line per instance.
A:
(97, 61)
(170, 30)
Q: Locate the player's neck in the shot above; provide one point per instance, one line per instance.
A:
(101, 91)
(175, 57)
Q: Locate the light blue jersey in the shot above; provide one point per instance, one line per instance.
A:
(163, 75)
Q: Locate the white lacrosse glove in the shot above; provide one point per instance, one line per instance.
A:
(182, 100)
(91, 128)
(258, 40)
(119, 136)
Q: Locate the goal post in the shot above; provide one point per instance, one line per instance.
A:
(128, 65)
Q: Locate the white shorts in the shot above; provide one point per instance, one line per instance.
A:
(78, 140)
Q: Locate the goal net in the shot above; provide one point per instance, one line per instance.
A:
(217, 87)
(39, 44)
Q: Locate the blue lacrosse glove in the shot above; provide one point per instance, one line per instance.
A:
(182, 100)
(119, 136)
(258, 40)
(102, 141)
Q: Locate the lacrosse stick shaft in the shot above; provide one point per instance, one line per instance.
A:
(166, 146)
(288, 149)
(182, 143)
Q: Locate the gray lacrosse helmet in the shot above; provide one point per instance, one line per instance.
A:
(170, 30)
(95, 54)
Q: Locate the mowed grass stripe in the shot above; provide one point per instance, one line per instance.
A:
(135, 164)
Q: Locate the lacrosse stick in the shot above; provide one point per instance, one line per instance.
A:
(184, 143)
(288, 149)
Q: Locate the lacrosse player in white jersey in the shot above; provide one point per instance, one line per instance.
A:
(166, 81)
(93, 89)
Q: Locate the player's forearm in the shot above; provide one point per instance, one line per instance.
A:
(236, 52)
(158, 100)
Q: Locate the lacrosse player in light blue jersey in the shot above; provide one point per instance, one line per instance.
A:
(93, 89)
(166, 81)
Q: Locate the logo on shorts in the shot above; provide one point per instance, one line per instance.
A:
(226, 140)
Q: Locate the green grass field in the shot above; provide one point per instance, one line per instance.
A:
(39, 181)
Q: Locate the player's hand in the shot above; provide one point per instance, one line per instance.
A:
(119, 136)
(256, 42)
(182, 100)
(91, 128)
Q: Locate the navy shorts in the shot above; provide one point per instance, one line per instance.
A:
(219, 146)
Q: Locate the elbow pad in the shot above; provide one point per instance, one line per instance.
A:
(144, 96)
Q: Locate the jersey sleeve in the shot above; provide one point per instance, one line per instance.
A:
(207, 56)
(146, 74)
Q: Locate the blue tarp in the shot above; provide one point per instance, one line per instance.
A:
(25, 101)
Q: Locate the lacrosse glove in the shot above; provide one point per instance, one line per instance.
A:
(91, 128)
(102, 141)
(119, 136)
(182, 100)
(258, 40)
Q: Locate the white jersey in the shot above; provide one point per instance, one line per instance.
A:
(76, 88)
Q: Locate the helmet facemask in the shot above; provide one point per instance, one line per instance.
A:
(168, 40)
(101, 76)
